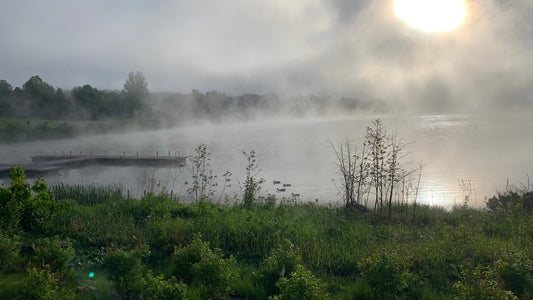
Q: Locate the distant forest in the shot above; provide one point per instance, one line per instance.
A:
(39, 100)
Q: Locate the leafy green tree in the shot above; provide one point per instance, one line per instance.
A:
(136, 94)
(90, 99)
(25, 205)
(5, 89)
(43, 99)
(39, 92)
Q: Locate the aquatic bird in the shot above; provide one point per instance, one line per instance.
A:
(281, 190)
(295, 195)
(287, 184)
(277, 182)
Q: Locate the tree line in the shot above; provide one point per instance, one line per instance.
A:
(39, 99)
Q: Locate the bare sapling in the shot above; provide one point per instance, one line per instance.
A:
(351, 167)
(376, 169)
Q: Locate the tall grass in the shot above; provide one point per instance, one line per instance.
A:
(88, 194)
(433, 254)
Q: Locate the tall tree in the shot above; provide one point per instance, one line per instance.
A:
(5, 89)
(5, 95)
(136, 94)
(41, 97)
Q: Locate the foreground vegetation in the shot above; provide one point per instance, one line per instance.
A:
(93, 243)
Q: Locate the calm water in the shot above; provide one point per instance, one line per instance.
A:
(483, 152)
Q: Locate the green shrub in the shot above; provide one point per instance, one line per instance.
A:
(9, 251)
(156, 287)
(282, 262)
(25, 205)
(385, 273)
(42, 285)
(480, 283)
(125, 270)
(514, 269)
(198, 265)
(302, 285)
(54, 252)
(359, 290)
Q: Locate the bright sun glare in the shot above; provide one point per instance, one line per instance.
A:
(432, 15)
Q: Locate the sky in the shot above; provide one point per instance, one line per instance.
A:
(355, 48)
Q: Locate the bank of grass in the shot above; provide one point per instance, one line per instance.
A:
(28, 129)
(158, 248)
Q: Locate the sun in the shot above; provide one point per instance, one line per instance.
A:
(432, 15)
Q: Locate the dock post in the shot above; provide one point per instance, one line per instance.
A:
(137, 153)
(168, 153)
(70, 152)
(157, 153)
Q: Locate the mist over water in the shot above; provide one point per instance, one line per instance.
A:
(483, 152)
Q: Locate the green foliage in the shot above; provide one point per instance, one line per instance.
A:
(202, 187)
(158, 288)
(9, 251)
(54, 252)
(87, 195)
(511, 201)
(359, 290)
(136, 93)
(254, 252)
(282, 262)
(301, 285)
(24, 205)
(41, 284)
(125, 270)
(198, 265)
(514, 269)
(252, 184)
(480, 283)
(386, 273)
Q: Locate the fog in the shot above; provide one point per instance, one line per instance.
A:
(341, 48)
(306, 68)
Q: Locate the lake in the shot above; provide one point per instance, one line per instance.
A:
(462, 155)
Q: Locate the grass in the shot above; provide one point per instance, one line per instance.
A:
(435, 254)
(16, 129)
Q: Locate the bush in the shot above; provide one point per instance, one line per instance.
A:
(282, 262)
(198, 265)
(42, 285)
(302, 284)
(156, 287)
(480, 283)
(514, 269)
(9, 251)
(385, 273)
(125, 270)
(54, 252)
(25, 205)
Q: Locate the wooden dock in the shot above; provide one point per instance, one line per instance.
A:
(49, 163)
